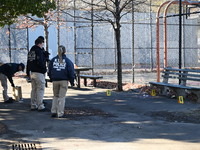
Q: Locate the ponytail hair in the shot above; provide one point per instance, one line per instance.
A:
(61, 51)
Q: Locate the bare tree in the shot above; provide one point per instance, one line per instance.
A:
(108, 11)
(46, 20)
(31, 21)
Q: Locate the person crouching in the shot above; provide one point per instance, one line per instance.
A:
(7, 71)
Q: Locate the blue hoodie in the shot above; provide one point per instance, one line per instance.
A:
(63, 71)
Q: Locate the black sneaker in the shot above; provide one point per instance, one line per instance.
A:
(10, 100)
(63, 116)
(45, 103)
(53, 115)
(34, 109)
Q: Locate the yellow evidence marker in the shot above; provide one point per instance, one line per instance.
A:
(180, 100)
(108, 93)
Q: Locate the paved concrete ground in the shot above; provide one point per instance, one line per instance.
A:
(124, 122)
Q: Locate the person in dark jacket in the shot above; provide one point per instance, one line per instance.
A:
(61, 71)
(46, 53)
(7, 71)
(36, 69)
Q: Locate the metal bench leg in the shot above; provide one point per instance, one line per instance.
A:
(46, 83)
(85, 81)
(95, 83)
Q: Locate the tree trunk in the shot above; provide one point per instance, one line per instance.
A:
(119, 58)
(46, 36)
(46, 33)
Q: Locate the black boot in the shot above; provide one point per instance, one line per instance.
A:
(10, 100)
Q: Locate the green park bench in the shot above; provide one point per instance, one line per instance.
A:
(171, 79)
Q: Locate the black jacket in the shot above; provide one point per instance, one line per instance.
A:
(9, 69)
(36, 61)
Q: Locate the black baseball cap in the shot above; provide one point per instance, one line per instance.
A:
(23, 66)
(41, 37)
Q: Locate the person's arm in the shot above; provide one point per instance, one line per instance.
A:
(71, 72)
(50, 69)
(28, 69)
(11, 81)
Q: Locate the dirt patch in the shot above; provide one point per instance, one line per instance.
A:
(113, 85)
(106, 84)
(192, 116)
(77, 112)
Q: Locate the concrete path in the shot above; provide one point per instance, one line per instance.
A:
(121, 121)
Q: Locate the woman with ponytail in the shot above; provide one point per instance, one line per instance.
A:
(61, 71)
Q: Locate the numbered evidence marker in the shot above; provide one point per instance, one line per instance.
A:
(180, 100)
(153, 92)
(108, 93)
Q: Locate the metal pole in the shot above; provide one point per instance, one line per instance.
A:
(158, 40)
(92, 36)
(133, 44)
(151, 33)
(184, 46)
(27, 38)
(9, 43)
(58, 22)
(115, 51)
(75, 60)
(180, 36)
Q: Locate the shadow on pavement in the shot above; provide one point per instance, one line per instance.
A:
(128, 119)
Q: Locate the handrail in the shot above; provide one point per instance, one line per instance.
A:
(165, 32)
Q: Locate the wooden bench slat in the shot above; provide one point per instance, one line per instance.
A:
(173, 85)
(184, 74)
(187, 70)
(192, 79)
(184, 78)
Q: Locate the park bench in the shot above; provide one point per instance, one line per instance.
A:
(85, 77)
(94, 77)
(176, 80)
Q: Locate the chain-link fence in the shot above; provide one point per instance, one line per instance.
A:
(13, 45)
(144, 43)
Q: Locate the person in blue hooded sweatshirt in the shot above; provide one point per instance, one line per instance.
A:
(61, 71)
(7, 71)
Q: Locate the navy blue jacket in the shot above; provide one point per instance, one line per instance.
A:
(63, 71)
(9, 69)
(36, 61)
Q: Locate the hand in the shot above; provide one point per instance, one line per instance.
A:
(46, 54)
(28, 79)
